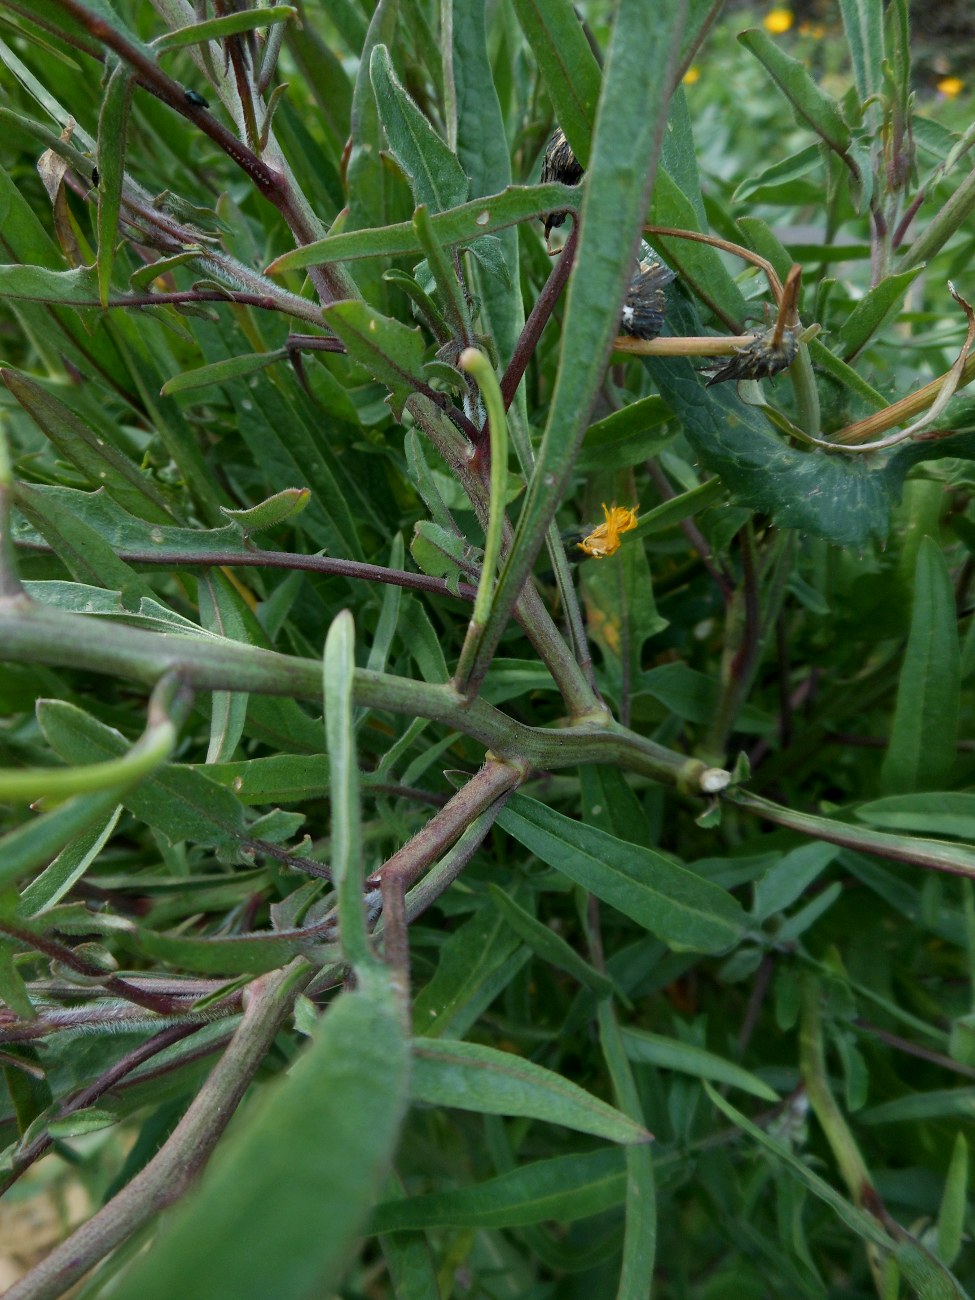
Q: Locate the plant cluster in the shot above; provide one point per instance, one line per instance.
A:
(460, 875)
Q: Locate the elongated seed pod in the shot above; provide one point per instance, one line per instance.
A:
(642, 316)
(559, 164)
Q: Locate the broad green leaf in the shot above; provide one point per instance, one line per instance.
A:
(273, 779)
(447, 1072)
(549, 946)
(559, 1190)
(839, 498)
(280, 1207)
(567, 64)
(461, 225)
(629, 436)
(691, 695)
(435, 175)
(672, 1054)
(685, 910)
(812, 105)
(921, 753)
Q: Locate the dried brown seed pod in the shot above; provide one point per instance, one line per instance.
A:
(767, 355)
(642, 316)
(559, 164)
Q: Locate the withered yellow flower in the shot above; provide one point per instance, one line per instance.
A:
(604, 539)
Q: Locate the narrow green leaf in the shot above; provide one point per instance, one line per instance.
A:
(476, 962)
(685, 910)
(68, 867)
(447, 1072)
(938, 813)
(461, 225)
(547, 945)
(433, 171)
(241, 954)
(915, 1107)
(921, 753)
(567, 64)
(79, 1122)
(672, 1054)
(221, 372)
(279, 1209)
(812, 105)
(790, 877)
(873, 311)
(87, 449)
(559, 1190)
(863, 21)
(954, 1206)
(217, 29)
(112, 123)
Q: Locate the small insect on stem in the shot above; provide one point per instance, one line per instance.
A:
(196, 99)
(559, 164)
(774, 350)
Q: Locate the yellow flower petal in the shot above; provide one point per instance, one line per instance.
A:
(777, 21)
(604, 539)
(951, 86)
(692, 74)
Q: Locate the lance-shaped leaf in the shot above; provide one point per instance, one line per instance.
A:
(472, 1077)
(685, 910)
(435, 175)
(389, 350)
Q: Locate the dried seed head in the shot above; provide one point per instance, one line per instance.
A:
(644, 305)
(766, 356)
(559, 164)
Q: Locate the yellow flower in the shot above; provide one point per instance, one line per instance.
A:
(605, 537)
(816, 30)
(777, 21)
(951, 86)
(692, 74)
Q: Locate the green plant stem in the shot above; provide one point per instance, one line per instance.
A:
(171, 1171)
(581, 700)
(477, 364)
(34, 633)
(940, 229)
(10, 584)
(812, 1066)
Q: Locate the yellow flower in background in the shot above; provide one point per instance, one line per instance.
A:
(777, 21)
(816, 30)
(604, 539)
(692, 74)
(951, 86)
